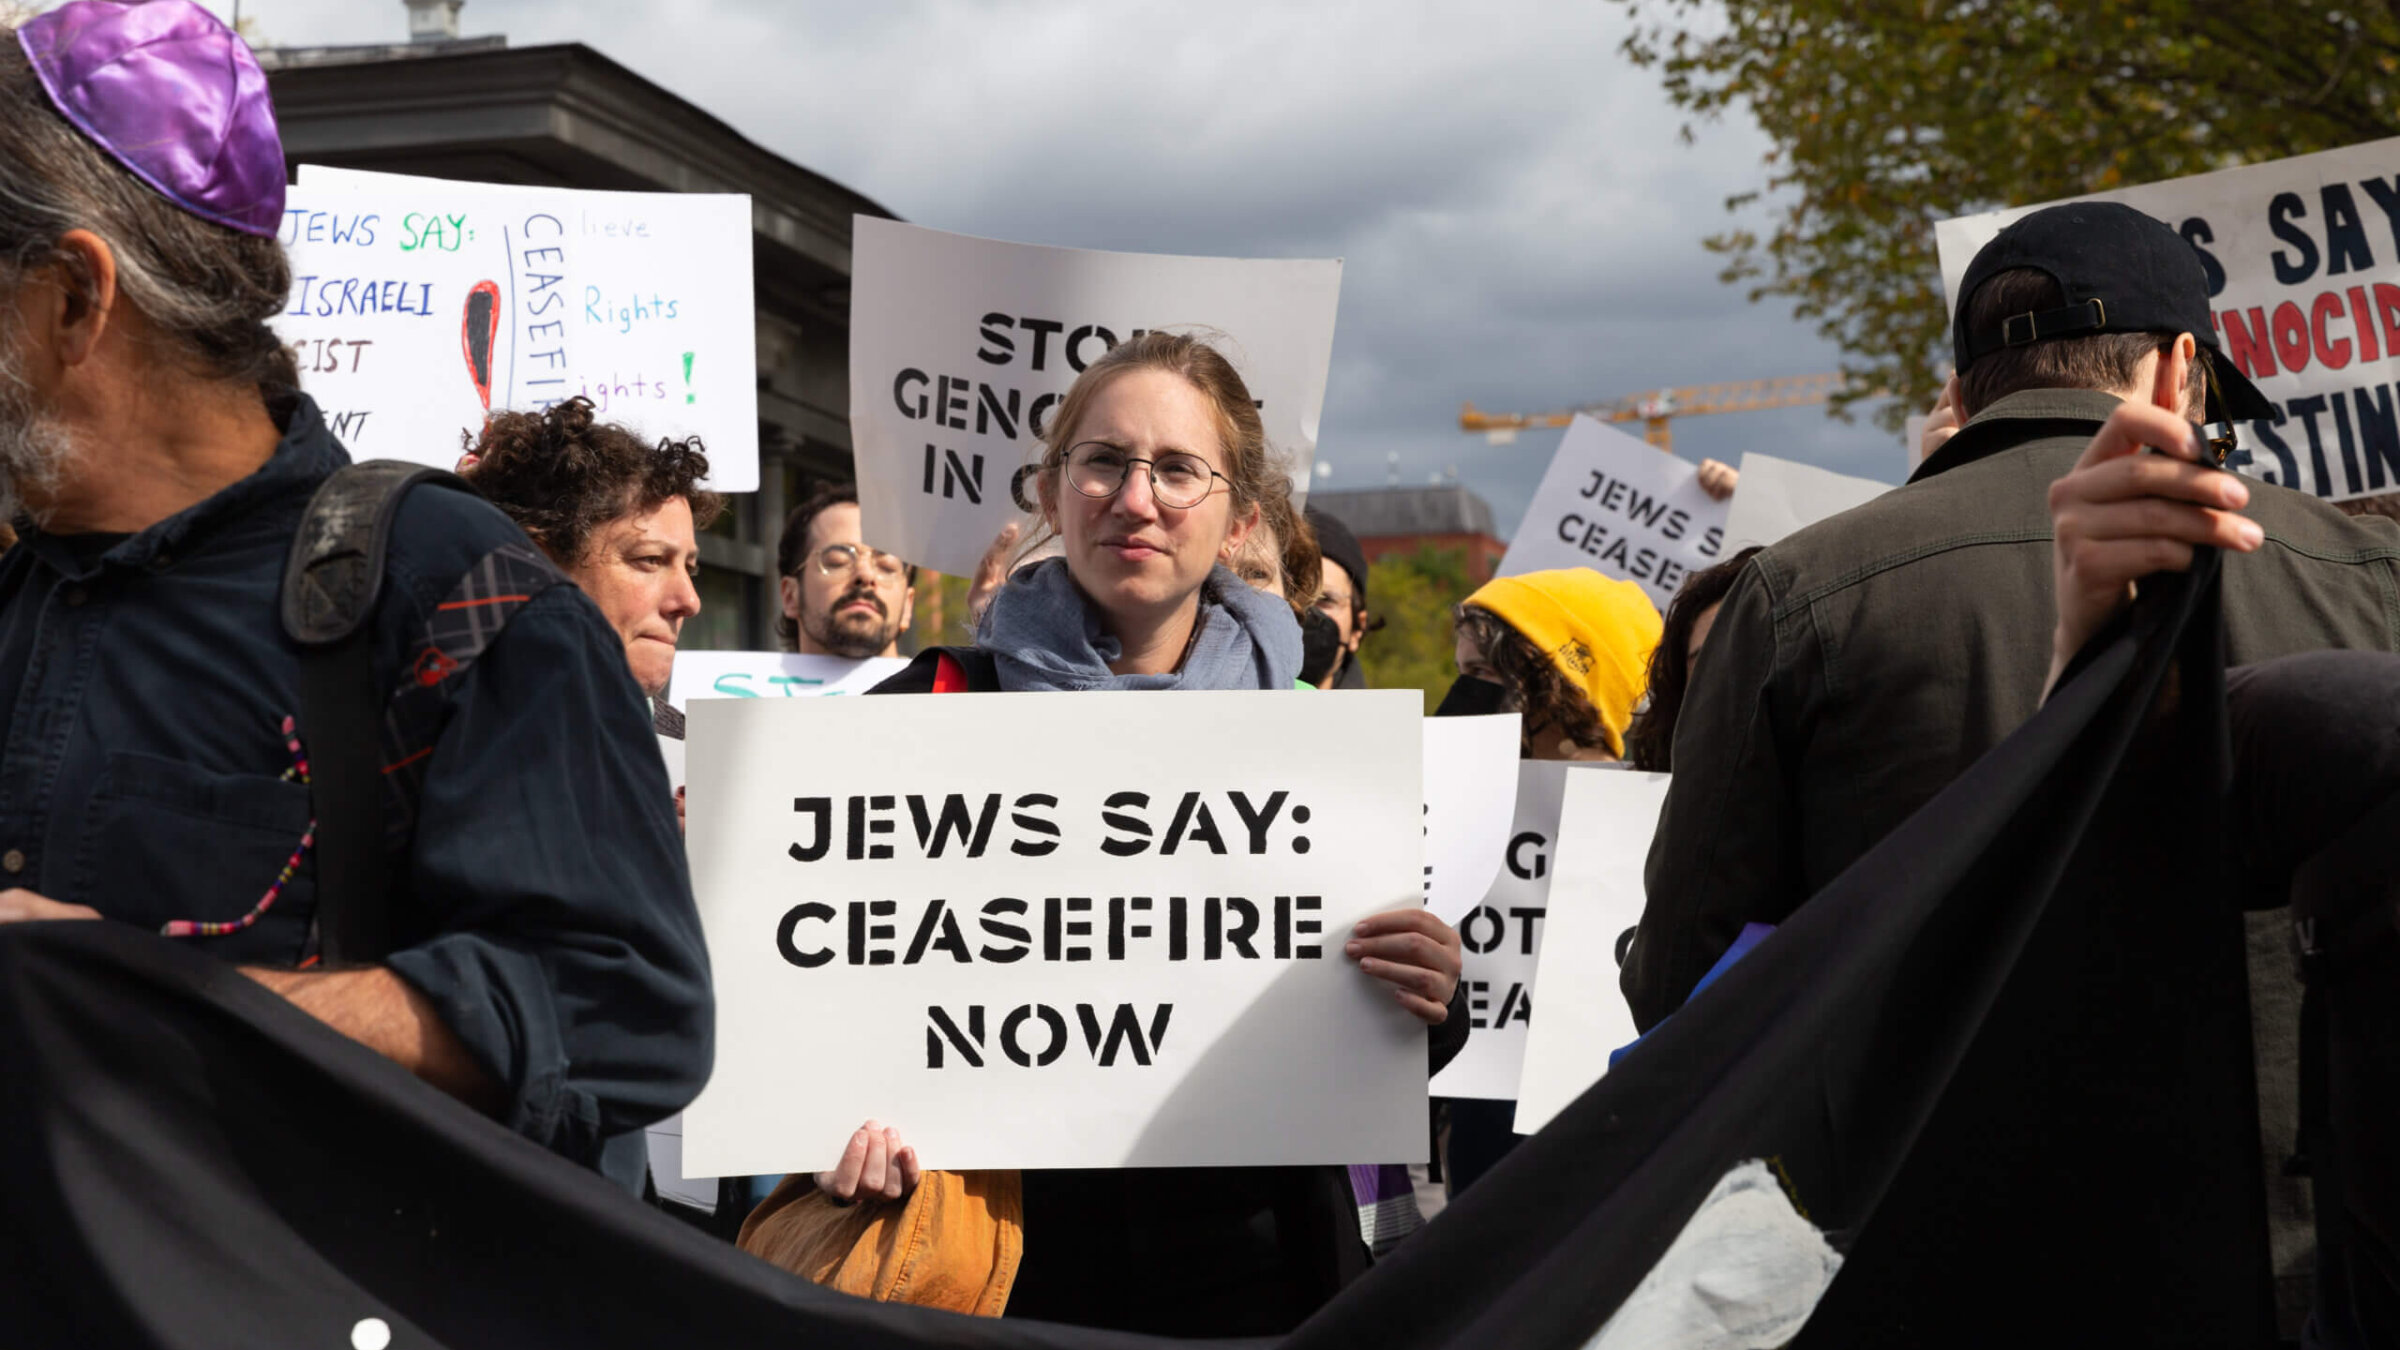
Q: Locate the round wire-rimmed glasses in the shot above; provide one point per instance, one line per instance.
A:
(1178, 478)
(835, 559)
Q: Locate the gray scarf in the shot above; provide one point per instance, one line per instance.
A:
(1046, 636)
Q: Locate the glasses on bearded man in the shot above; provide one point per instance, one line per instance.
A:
(835, 559)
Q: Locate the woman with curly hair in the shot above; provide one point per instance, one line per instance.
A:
(619, 516)
(1569, 649)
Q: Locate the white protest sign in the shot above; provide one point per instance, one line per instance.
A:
(1622, 507)
(1500, 938)
(418, 305)
(1088, 930)
(1778, 497)
(1604, 829)
(704, 674)
(1470, 793)
(961, 347)
(2303, 264)
(709, 674)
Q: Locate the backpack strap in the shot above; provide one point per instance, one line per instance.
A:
(331, 581)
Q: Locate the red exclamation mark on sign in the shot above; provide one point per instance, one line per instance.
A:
(478, 328)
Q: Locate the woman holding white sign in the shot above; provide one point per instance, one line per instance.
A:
(1155, 468)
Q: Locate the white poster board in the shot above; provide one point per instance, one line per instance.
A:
(1500, 939)
(1604, 828)
(418, 305)
(1043, 932)
(741, 675)
(960, 347)
(2303, 263)
(708, 674)
(1470, 797)
(1623, 507)
(1778, 497)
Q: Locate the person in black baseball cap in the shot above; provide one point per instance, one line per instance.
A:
(2111, 270)
(1859, 665)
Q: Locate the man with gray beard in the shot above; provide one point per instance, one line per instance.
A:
(544, 961)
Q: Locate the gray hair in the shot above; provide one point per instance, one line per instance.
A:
(210, 290)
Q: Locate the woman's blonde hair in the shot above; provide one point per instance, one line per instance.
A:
(1252, 468)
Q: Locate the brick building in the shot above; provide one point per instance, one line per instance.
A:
(1399, 520)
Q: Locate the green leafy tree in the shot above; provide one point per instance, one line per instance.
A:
(1889, 115)
(1413, 593)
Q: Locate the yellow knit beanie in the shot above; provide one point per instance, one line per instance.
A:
(1597, 630)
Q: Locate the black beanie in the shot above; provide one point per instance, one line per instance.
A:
(1335, 541)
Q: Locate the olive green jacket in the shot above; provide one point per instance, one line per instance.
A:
(1859, 665)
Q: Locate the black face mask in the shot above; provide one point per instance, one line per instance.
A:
(1471, 697)
(1320, 647)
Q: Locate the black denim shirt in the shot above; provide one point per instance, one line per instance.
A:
(542, 901)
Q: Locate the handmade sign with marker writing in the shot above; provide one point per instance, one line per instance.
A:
(774, 675)
(2302, 258)
(1605, 822)
(1088, 930)
(1500, 939)
(1622, 507)
(419, 306)
(961, 347)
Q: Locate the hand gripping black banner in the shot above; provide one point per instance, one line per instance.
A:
(187, 1161)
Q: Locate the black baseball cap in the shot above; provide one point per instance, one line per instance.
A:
(2120, 271)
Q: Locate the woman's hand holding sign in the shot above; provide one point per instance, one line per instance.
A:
(876, 1164)
(2121, 515)
(1413, 952)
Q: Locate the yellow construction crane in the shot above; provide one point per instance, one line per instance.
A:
(1656, 408)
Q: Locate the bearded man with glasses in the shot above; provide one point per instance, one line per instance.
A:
(840, 597)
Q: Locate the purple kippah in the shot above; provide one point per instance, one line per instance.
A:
(175, 96)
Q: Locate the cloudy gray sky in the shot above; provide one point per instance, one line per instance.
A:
(1520, 219)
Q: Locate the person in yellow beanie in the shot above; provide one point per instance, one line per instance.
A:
(1569, 649)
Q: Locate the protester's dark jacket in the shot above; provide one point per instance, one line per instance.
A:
(1861, 664)
(1182, 1251)
(542, 902)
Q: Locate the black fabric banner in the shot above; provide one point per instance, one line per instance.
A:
(187, 1161)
